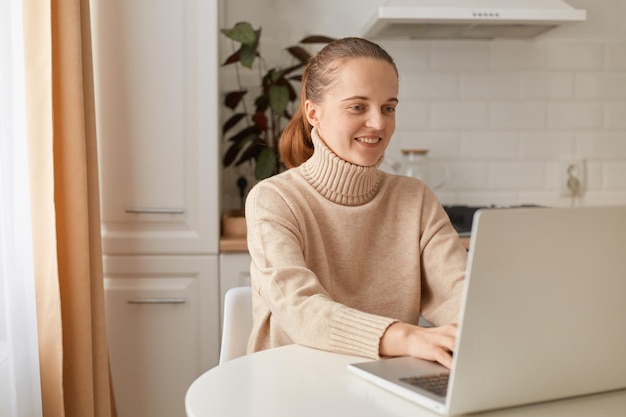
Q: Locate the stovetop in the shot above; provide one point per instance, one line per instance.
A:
(461, 216)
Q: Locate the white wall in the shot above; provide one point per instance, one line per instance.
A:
(500, 113)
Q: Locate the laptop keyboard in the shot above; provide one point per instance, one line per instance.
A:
(437, 384)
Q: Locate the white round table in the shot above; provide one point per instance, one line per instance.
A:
(295, 381)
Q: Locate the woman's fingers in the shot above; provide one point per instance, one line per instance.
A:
(430, 343)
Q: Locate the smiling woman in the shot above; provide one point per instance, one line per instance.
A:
(346, 257)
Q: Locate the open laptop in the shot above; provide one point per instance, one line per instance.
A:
(543, 315)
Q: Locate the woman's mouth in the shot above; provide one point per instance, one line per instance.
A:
(368, 140)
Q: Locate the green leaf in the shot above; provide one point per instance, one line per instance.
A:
(247, 54)
(279, 98)
(243, 33)
(266, 164)
(275, 74)
(249, 38)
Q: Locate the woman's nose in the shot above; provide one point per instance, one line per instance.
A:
(376, 120)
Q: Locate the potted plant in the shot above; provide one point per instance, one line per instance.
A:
(254, 128)
(259, 113)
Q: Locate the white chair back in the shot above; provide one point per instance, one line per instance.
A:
(237, 323)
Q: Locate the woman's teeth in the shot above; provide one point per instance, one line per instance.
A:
(368, 140)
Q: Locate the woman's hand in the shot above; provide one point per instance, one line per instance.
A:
(430, 343)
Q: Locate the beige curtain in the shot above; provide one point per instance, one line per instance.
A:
(75, 377)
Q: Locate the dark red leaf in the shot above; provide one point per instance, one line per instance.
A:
(242, 136)
(232, 59)
(260, 120)
(230, 155)
(293, 95)
(317, 39)
(292, 68)
(299, 53)
(251, 152)
(233, 98)
(262, 103)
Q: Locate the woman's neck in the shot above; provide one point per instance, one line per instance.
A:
(338, 180)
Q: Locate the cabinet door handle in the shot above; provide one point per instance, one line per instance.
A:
(147, 210)
(164, 300)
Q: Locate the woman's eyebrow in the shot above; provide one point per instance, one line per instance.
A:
(394, 99)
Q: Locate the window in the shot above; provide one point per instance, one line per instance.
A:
(19, 362)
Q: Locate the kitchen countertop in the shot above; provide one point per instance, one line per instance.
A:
(233, 244)
(239, 244)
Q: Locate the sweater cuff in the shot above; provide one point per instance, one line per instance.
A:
(357, 333)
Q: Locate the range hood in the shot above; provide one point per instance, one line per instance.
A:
(470, 19)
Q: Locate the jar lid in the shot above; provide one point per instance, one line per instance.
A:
(415, 151)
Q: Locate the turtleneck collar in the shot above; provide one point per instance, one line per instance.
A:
(338, 180)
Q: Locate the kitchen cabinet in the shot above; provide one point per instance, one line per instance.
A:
(155, 68)
(156, 95)
(234, 272)
(162, 334)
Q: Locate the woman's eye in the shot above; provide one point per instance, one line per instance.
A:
(389, 109)
(357, 107)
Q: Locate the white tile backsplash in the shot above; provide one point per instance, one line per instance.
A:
(490, 85)
(460, 56)
(578, 115)
(526, 175)
(458, 115)
(602, 145)
(490, 146)
(429, 85)
(519, 115)
(547, 146)
(614, 175)
(576, 56)
(547, 85)
(501, 114)
(601, 86)
(615, 115)
(467, 176)
(615, 56)
(517, 56)
(412, 115)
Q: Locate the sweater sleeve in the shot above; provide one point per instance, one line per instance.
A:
(444, 260)
(291, 305)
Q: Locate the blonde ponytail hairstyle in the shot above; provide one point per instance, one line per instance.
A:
(296, 146)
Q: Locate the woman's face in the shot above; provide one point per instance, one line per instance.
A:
(356, 117)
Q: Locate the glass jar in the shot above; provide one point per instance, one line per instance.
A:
(418, 165)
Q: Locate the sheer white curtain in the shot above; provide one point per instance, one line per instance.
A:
(19, 364)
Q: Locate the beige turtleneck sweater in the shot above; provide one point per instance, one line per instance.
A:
(340, 252)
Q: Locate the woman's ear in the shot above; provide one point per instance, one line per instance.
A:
(310, 111)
